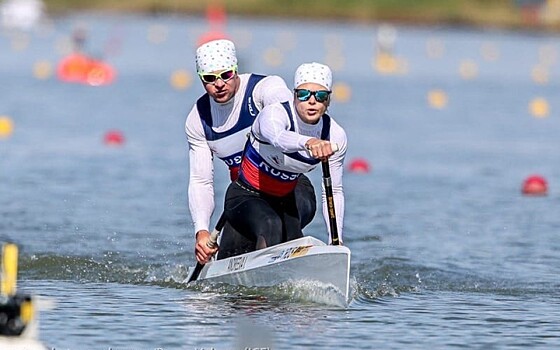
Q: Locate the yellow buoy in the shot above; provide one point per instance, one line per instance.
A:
(42, 70)
(539, 108)
(273, 57)
(181, 79)
(437, 99)
(341, 92)
(6, 127)
(385, 63)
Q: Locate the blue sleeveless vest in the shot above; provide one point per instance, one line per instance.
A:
(228, 145)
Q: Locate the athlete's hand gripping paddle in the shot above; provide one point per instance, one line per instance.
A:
(334, 147)
(212, 242)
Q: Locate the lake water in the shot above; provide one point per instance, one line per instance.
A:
(446, 251)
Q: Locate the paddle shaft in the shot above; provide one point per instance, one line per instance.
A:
(330, 202)
(210, 244)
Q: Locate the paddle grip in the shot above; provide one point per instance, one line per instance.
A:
(213, 240)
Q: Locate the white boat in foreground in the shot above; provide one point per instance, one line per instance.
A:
(18, 321)
(26, 341)
(305, 259)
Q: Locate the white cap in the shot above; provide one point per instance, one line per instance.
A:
(313, 73)
(215, 55)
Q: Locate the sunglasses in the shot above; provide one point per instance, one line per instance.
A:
(210, 78)
(305, 94)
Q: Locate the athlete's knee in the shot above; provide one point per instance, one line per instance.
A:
(307, 207)
(305, 200)
(269, 231)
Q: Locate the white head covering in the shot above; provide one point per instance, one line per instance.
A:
(313, 73)
(215, 55)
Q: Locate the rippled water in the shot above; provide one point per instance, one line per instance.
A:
(446, 252)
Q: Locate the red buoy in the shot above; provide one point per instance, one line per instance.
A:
(216, 15)
(359, 165)
(535, 185)
(113, 138)
(211, 35)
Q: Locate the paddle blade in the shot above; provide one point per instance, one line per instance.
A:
(194, 275)
(9, 269)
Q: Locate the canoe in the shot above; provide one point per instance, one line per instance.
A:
(306, 259)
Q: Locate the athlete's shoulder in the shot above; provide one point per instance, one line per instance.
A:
(274, 107)
(193, 124)
(271, 89)
(274, 79)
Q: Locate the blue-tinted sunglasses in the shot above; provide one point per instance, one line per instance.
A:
(210, 78)
(305, 94)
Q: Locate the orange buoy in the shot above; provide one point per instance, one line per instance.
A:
(359, 165)
(535, 185)
(113, 138)
(79, 68)
(216, 17)
(73, 68)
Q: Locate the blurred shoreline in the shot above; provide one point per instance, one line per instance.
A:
(533, 15)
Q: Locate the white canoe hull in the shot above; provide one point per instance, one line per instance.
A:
(17, 343)
(26, 341)
(305, 259)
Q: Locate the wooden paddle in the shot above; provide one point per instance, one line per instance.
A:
(330, 202)
(212, 242)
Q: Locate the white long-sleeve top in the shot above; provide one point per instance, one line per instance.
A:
(272, 125)
(270, 89)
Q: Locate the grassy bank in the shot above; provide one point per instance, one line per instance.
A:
(486, 13)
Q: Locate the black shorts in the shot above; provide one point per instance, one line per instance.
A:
(254, 218)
